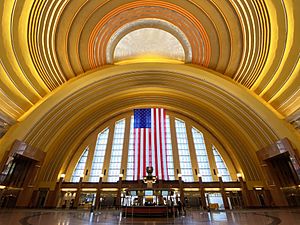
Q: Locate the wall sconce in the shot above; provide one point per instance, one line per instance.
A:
(82, 175)
(179, 175)
(2, 187)
(199, 175)
(62, 175)
(219, 175)
(239, 175)
(258, 188)
(121, 175)
(101, 175)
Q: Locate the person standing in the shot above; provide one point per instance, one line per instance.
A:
(179, 206)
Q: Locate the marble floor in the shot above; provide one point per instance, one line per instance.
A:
(72, 217)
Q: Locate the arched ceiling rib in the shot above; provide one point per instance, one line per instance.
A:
(44, 44)
(76, 110)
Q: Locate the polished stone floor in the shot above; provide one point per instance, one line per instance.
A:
(71, 217)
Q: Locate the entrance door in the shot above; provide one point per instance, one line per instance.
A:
(214, 200)
(235, 200)
(42, 198)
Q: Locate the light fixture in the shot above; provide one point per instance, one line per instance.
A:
(121, 175)
(239, 175)
(212, 189)
(82, 175)
(233, 189)
(62, 175)
(219, 175)
(179, 175)
(68, 189)
(101, 175)
(2, 187)
(89, 189)
(199, 175)
(109, 189)
(191, 189)
(258, 188)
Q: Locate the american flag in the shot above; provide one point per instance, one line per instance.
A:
(150, 148)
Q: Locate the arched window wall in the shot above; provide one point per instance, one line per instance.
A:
(186, 140)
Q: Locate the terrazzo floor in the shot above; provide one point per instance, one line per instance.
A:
(73, 217)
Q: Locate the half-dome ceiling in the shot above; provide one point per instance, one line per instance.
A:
(149, 43)
(44, 44)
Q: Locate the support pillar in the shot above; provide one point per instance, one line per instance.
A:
(181, 188)
(78, 192)
(245, 191)
(118, 200)
(223, 192)
(202, 193)
(53, 197)
(98, 194)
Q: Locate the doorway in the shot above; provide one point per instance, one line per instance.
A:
(214, 201)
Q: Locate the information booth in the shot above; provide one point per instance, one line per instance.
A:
(148, 202)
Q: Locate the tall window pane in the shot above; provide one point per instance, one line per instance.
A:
(99, 155)
(129, 173)
(221, 166)
(116, 151)
(170, 161)
(201, 154)
(79, 169)
(183, 151)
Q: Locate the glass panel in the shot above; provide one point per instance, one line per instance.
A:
(79, 169)
(99, 154)
(170, 162)
(129, 173)
(201, 153)
(221, 166)
(183, 151)
(116, 151)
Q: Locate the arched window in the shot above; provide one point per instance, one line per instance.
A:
(183, 151)
(170, 160)
(202, 157)
(129, 173)
(79, 169)
(116, 152)
(221, 166)
(99, 155)
(183, 139)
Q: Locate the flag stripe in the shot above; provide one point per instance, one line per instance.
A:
(152, 141)
(158, 143)
(165, 139)
(135, 153)
(147, 149)
(144, 155)
(138, 153)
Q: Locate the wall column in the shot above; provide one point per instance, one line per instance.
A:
(202, 194)
(98, 194)
(118, 200)
(53, 196)
(245, 191)
(181, 188)
(78, 192)
(223, 192)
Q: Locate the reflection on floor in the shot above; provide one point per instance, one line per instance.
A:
(65, 217)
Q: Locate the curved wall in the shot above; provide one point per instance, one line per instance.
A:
(60, 123)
